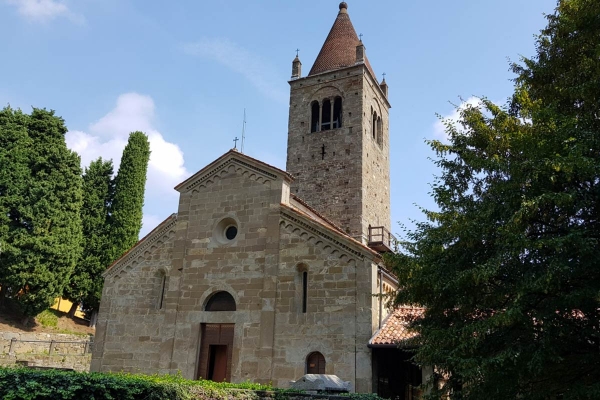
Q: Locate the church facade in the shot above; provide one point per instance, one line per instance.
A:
(264, 274)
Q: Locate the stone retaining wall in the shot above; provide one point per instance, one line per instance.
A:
(53, 350)
(79, 363)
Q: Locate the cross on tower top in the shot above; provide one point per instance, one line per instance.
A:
(360, 36)
(235, 142)
(297, 51)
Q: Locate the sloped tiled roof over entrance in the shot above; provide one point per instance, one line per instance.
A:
(395, 328)
(339, 49)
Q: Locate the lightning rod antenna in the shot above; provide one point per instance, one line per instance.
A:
(243, 132)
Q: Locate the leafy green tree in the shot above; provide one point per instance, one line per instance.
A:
(43, 237)
(98, 191)
(126, 212)
(508, 268)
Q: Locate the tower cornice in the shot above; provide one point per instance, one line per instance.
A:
(365, 71)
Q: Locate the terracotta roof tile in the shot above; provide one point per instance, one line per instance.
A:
(394, 329)
(339, 49)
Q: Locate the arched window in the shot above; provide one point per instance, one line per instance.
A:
(314, 116)
(220, 301)
(315, 363)
(337, 113)
(326, 115)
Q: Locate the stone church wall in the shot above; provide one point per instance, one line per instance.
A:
(337, 322)
(243, 267)
(132, 332)
(136, 336)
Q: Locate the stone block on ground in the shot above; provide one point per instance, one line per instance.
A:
(321, 383)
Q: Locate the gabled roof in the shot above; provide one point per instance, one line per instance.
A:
(233, 155)
(394, 331)
(339, 49)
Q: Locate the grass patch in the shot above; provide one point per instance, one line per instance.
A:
(47, 319)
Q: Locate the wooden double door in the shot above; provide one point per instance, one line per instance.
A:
(216, 348)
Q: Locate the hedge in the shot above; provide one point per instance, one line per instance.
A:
(32, 384)
(29, 384)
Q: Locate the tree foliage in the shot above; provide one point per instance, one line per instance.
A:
(40, 201)
(85, 284)
(126, 212)
(508, 268)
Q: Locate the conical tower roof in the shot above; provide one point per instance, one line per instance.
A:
(339, 49)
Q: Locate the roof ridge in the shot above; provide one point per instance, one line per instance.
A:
(324, 218)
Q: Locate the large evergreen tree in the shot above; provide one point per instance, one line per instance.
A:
(14, 178)
(509, 267)
(86, 282)
(126, 212)
(43, 236)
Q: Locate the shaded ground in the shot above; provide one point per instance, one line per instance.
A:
(11, 322)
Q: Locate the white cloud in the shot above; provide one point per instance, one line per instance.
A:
(439, 129)
(239, 60)
(108, 136)
(45, 10)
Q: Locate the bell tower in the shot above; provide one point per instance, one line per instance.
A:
(338, 134)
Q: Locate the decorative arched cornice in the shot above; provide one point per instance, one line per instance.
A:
(153, 241)
(321, 238)
(233, 164)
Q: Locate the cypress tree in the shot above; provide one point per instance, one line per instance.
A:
(86, 282)
(43, 237)
(126, 210)
(14, 178)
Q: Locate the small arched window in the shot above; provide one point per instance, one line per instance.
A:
(220, 301)
(315, 363)
(337, 113)
(326, 115)
(314, 116)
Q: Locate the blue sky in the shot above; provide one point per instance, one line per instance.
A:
(183, 71)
